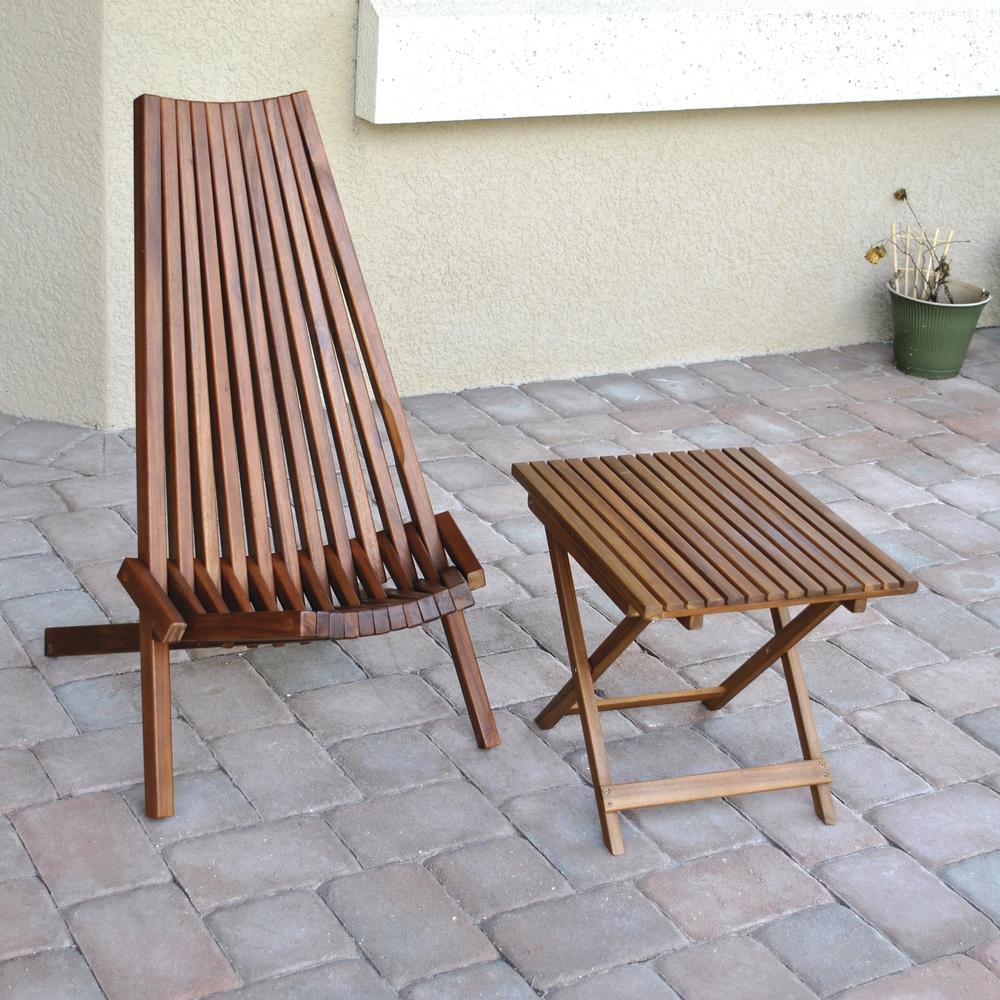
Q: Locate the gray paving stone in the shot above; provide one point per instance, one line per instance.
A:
(832, 949)
(221, 869)
(34, 574)
(967, 456)
(39, 441)
(101, 581)
(905, 902)
(86, 492)
(292, 669)
(721, 894)
(406, 651)
(894, 418)
(99, 454)
(625, 391)
(89, 536)
(842, 683)
(988, 954)
(497, 875)
(466, 473)
(920, 469)
(683, 384)
(29, 617)
(665, 753)
(225, 695)
(370, 706)
(567, 398)
(803, 398)
(952, 978)
(943, 827)
(406, 923)
(665, 415)
(11, 652)
(865, 776)
(720, 636)
(416, 823)
(563, 824)
(280, 934)
(49, 975)
(495, 503)
(858, 446)
(789, 819)
(957, 687)
(492, 632)
(88, 846)
(974, 496)
(510, 678)
(28, 501)
(689, 830)
(939, 752)
(507, 404)
(508, 447)
(392, 761)
(586, 427)
(841, 365)
(736, 968)
(343, 980)
(528, 534)
(150, 943)
(14, 860)
(830, 420)
(545, 944)
(567, 735)
(22, 781)
(788, 370)
(716, 435)
(978, 879)
(888, 648)
(911, 549)
(984, 726)
(103, 702)
(735, 377)
(630, 982)
(974, 579)
(65, 669)
(878, 486)
(29, 922)
(960, 532)
(864, 517)
(203, 803)
(767, 735)
(943, 624)
(763, 423)
(447, 413)
(492, 981)
(28, 711)
(282, 770)
(112, 758)
(521, 764)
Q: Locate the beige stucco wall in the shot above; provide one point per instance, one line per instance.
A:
(506, 251)
(53, 337)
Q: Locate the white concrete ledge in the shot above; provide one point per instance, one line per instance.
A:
(451, 60)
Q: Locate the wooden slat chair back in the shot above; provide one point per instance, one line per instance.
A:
(270, 433)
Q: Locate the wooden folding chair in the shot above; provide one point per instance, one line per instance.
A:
(682, 535)
(257, 355)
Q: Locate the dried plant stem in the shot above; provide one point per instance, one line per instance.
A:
(906, 282)
(931, 262)
(895, 259)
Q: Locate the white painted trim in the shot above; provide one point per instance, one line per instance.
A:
(451, 60)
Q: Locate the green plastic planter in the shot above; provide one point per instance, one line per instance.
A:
(929, 339)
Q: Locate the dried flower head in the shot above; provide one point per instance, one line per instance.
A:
(875, 253)
(900, 195)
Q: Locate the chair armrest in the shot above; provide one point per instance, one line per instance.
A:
(152, 601)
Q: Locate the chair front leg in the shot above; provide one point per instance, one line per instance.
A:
(470, 678)
(157, 734)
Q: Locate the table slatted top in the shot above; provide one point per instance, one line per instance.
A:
(689, 532)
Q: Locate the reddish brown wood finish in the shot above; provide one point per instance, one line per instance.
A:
(257, 360)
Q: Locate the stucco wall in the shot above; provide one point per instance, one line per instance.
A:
(53, 336)
(506, 251)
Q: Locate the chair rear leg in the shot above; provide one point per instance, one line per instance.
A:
(157, 734)
(456, 629)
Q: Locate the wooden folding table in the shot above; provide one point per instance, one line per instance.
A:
(682, 535)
